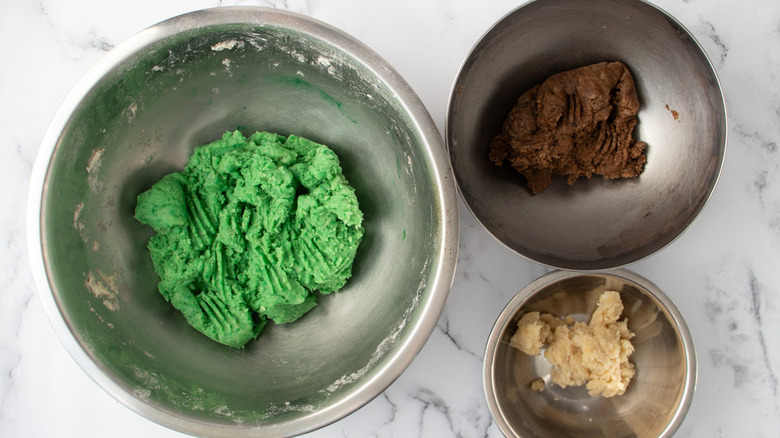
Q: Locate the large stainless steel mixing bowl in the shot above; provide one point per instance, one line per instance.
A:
(658, 397)
(136, 116)
(600, 223)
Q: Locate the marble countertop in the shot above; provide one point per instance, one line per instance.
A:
(723, 273)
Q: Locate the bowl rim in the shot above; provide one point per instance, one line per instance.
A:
(563, 266)
(442, 274)
(522, 296)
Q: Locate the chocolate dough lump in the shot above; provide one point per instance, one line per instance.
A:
(576, 123)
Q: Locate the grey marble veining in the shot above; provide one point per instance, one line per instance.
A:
(723, 273)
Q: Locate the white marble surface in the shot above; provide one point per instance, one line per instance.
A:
(723, 273)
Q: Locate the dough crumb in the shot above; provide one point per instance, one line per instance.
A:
(594, 354)
(537, 385)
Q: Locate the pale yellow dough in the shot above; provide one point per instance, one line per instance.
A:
(594, 354)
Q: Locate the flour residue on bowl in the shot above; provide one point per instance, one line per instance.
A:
(100, 317)
(93, 170)
(193, 398)
(131, 111)
(153, 386)
(327, 65)
(298, 56)
(227, 45)
(227, 63)
(78, 224)
(289, 407)
(387, 343)
(104, 289)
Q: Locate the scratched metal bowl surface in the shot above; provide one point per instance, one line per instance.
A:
(136, 116)
(593, 224)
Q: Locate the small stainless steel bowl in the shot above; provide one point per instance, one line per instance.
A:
(658, 396)
(136, 116)
(593, 224)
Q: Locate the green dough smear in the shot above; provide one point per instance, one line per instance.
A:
(249, 231)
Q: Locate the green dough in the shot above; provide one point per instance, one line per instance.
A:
(249, 231)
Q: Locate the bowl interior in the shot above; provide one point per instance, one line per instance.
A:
(600, 223)
(182, 84)
(657, 397)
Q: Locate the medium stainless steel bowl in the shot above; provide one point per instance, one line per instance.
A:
(136, 116)
(658, 397)
(593, 224)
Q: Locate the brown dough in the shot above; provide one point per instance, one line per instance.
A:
(576, 123)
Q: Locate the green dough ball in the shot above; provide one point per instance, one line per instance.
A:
(249, 231)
